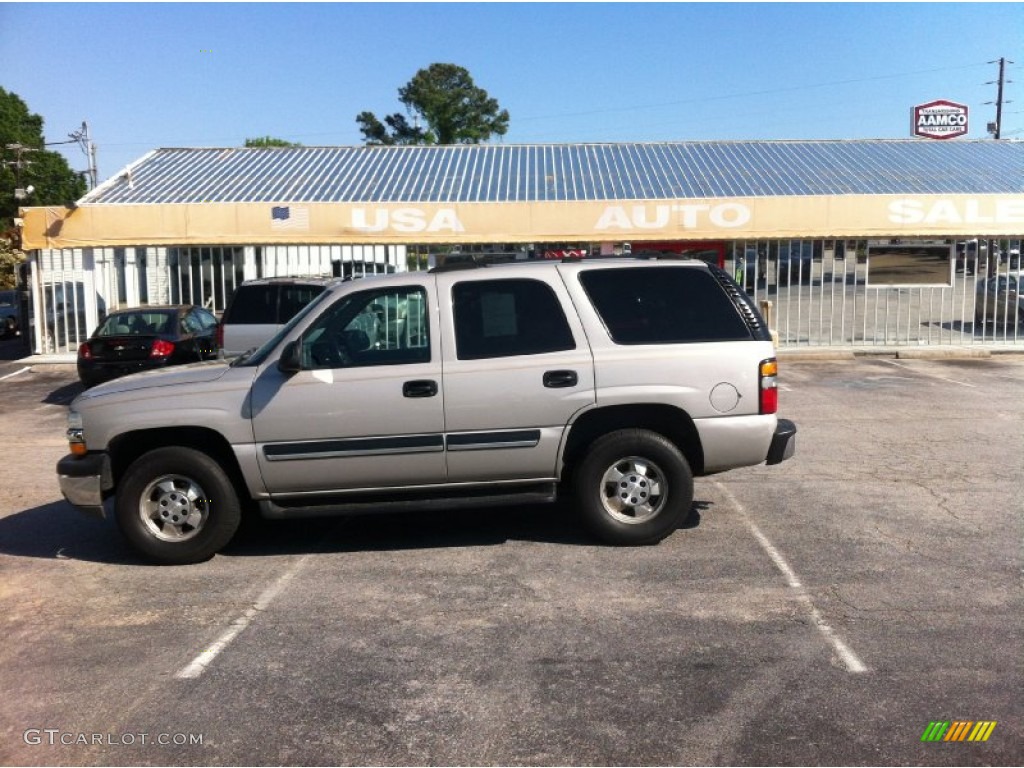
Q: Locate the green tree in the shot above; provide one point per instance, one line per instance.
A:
(452, 108)
(28, 162)
(10, 258)
(25, 162)
(269, 141)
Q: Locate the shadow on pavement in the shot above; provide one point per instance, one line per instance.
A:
(58, 531)
(494, 526)
(64, 395)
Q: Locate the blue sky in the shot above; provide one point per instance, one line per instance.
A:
(164, 74)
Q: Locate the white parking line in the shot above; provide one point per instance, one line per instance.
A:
(929, 375)
(199, 664)
(849, 659)
(12, 375)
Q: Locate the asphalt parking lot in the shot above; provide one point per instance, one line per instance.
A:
(823, 611)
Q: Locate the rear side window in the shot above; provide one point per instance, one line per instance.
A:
(253, 305)
(502, 318)
(666, 305)
(206, 320)
(294, 298)
(190, 323)
(269, 304)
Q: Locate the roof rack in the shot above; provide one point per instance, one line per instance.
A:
(479, 261)
(653, 254)
(456, 262)
(635, 255)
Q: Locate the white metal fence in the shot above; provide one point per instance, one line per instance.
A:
(822, 293)
(831, 293)
(73, 289)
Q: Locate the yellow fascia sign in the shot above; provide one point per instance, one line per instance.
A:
(837, 216)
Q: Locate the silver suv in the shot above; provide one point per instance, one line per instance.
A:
(615, 379)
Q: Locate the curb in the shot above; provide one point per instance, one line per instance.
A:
(942, 354)
(811, 355)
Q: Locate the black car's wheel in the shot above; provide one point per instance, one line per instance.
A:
(633, 487)
(176, 505)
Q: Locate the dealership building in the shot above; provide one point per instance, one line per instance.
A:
(854, 242)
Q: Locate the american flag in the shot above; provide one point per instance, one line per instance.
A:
(284, 217)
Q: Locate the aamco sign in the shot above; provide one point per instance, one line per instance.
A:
(939, 120)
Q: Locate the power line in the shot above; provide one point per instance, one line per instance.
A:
(748, 94)
(519, 120)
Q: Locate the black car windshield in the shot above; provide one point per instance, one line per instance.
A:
(137, 324)
(258, 355)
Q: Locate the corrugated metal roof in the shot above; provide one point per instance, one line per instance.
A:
(567, 172)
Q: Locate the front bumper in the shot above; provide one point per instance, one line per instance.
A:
(84, 481)
(783, 442)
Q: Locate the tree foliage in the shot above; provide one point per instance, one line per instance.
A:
(451, 107)
(10, 258)
(48, 172)
(27, 164)
(269, 141)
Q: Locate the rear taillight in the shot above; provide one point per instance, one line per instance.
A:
(768, 380)
(161, 348)
(85, 351)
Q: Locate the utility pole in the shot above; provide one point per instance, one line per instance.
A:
(18, 163)
(85, 142)
(996, 128)
(81, 137)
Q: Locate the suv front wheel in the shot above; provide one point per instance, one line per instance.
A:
(633, 487)
(177, 506)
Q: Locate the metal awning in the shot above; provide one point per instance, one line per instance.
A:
(521, 193)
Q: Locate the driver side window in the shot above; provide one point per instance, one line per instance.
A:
(379, 327)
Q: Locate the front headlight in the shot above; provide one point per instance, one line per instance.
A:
(76, 434)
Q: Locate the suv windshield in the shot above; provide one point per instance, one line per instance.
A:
(258, 355)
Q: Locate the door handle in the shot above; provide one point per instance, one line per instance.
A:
(419, 388)
(558, 379)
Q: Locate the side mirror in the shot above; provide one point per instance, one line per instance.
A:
(290, 360)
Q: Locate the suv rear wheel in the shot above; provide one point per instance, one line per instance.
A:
(633, 487)
(177, 506)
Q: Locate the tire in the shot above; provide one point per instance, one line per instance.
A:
(633, 487)
(176, 506)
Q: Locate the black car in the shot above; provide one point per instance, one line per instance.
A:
(8, 313)
(143, 338)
